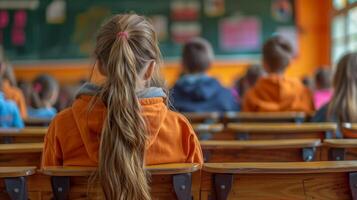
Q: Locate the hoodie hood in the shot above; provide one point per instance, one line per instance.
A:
(279, 93)
(90, 113)
(198, 87)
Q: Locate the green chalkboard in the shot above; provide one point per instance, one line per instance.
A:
(74, 38)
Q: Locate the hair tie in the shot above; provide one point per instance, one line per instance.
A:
(37, 87)
(123, 34)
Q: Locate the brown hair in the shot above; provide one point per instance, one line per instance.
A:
(343, 104)
(277, 52)
(254, 72)
(126, 44)
(323, 78)
(44, 88)
(9, 74)
(197, 55)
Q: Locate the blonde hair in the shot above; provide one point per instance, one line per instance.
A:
(125, 45)
(343, 104)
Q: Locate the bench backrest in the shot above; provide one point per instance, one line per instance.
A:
(25, 135)
(29, 122)
(13, 182)
(282, 130)
(168, 181)
(286, 150)
(266, 117)
(22, 154)
(296, 180)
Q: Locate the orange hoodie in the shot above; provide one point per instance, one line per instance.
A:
(74, 135)
(16, 95)
(276, 93)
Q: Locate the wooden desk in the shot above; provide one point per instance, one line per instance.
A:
(282, 130)
(23, 154)
(297, 117)
(167, 181)
(203, 117)
(340, 149)
(13, 182)
(25, 135)
(286, 150)
(29, 122)
(294, 180)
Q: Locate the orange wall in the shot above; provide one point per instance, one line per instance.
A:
(313, 21)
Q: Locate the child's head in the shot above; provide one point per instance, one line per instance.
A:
(45, 91)
(323, 78)
(128, 55)
(277, 53)
(253, 73)
(308, 82)
(9, 74)
(127, 50)
(344, 100)
(197, 56)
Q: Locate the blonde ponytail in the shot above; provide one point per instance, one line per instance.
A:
(125, 45)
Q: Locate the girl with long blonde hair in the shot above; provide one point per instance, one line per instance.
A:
(343, 104)
(124, 123)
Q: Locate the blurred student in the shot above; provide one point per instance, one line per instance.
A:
(323, 91)
(11, 91)
(277, 92)
(195, 91)
(248, 80)
(9, 113)
(44, 95)
(343, 104)
(26, 89)
(124, 123)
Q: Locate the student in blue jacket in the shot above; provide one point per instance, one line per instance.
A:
(44, 96)
(195, 91)
(9, 113)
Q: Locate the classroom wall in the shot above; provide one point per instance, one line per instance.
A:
(313, 21)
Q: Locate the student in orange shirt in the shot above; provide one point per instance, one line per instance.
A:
(124, 123)
(277, 92)
(11, 91)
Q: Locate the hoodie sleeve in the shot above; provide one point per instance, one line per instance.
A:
(195, 154)
(51, 155)
(247, 103)
(191, 143)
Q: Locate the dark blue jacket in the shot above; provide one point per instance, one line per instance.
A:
(321, 115)
(200, 93)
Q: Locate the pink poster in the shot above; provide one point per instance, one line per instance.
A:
(240, 34)
(184, 31)
(4, 19)
(20, 19)
(18, 37)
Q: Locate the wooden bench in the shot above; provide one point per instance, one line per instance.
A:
(13, 182)
(297, 117)
(206, 131)
(327, 180)
(22, 154)
(25, 135)
(244, 131)
(340, 149)
(37, 122)
(349, 130)
(203, 117)
(261, 150)
(168, 181)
